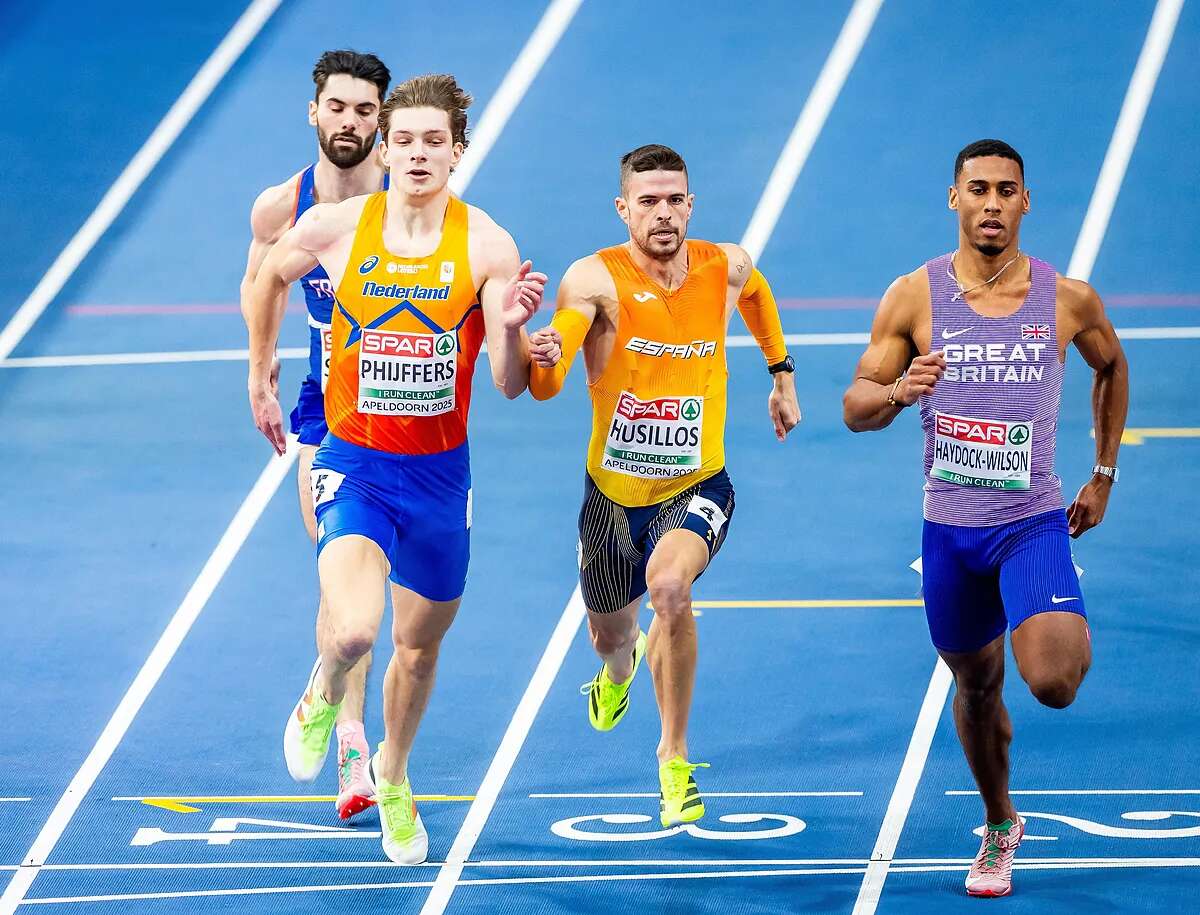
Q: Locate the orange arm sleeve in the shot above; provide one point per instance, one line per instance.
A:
(545, 383)
(761, 314)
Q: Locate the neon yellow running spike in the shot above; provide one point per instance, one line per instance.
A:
(679, 799)
(607, 701)
(306, 735)
(405, 840)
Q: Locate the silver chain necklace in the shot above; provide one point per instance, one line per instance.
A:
(962, 292)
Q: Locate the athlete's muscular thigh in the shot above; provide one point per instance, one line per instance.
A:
(1053, 652)
(353, 571)
(418, 622)
(678, 559)
(304, 463)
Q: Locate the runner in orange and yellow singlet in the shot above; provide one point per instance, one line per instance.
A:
(421, 279)
(651, 317)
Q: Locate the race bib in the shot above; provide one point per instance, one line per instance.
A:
(710, 511)
(326, 354)
(401, 374)
(654, 438)
(981, 452)
(324, 484)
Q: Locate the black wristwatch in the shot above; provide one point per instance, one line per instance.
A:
(786, 366)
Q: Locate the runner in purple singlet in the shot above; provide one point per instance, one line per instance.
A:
(979, 339)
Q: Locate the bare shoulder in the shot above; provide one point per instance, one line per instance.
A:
(491, 243)
(905, 299)
(588, 280)
(1077, 297)
(323, 224)
(273, 209)
(741, 265)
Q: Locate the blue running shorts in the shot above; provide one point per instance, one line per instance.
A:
(615, 542)
(980, 580)
(308, 419)
(416, 507)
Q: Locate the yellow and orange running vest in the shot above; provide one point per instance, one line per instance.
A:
(658, 409)
(406, 334)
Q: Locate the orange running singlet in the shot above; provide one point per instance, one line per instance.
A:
(658, 409)
(406, 334)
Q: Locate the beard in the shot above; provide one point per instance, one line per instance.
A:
(989, 249)
(341, 155)
(661, 251)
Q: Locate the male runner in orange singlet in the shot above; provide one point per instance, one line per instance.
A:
(651, 316)
(421, 278)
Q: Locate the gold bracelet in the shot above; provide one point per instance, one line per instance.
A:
(891, 399)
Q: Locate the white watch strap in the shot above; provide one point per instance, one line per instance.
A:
(1111, 472)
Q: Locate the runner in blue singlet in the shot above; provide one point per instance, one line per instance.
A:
(350, 89)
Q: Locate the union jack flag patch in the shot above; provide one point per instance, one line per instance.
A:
(1035, 331)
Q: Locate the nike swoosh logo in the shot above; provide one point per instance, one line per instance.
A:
(951, 334)
(1054, 599)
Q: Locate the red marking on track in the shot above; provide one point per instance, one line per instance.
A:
(1117, 300)
(112, 311)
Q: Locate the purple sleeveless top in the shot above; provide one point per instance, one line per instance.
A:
(990, 422)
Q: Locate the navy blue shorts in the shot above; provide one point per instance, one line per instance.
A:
(980, 580)
(615, 542)
(416, 507)
(308, 419)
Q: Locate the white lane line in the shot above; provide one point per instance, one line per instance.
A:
(717, 794)
(492, 881)
(159, 358)
(249, 512)
(169, 128)
(14, 800)
(1124, 138)
(855, 868)
(629, 862)
(809, 124)
(1158, 333)
(510, 746)
(1088, 791)
(193, 603)
(905, 789)
(512, 89)
(1058, 865)
(1087, 244)
(733, 341)
(960, 863)
(481, 808)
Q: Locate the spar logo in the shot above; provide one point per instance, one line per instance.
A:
(414, 346)
(368, 265)
(1018, 434)
(976, 431)
(668, 409)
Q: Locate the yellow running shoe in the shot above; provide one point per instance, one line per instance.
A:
(679, 799)
(607, 701)
(405, 840)
(306, 735)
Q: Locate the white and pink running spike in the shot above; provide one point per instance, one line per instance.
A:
(991, 874)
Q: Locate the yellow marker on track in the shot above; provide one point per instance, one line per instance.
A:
(1139, 436)
(801, 604)
(184, 804)
(807, 604)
